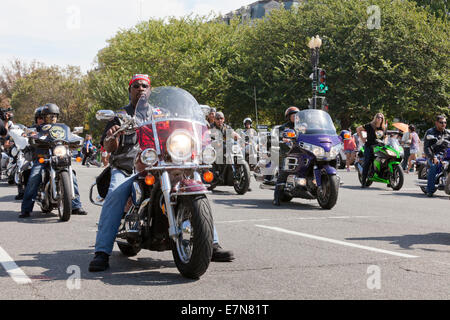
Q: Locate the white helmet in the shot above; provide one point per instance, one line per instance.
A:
(247, 119)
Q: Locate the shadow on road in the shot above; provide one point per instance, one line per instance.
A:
(223, 193)
(358, 187)
(409, 240)
(36, 217)
(417, 195)
(267, 204)
(123, 271)
(10, 198)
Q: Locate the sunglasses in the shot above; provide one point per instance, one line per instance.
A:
(378, 117)
(443, 122)
(220, 118)
(143, 85)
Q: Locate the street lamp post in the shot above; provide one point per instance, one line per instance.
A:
(315, 44)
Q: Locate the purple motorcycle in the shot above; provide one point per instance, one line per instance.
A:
(310, 161)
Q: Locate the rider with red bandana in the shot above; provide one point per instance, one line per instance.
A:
(124, 149)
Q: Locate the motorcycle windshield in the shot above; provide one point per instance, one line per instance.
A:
(169, 103)
(393, 143)
(171, 109)
(313, 121)
(57, 132)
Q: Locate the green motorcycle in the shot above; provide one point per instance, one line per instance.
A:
(386, 167)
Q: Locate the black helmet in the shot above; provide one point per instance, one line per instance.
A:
(38, 112)
(289, 111)
(50, 108)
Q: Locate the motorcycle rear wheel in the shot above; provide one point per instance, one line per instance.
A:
(328, 192)
(193, 249)
(368, 182)
(65, 194)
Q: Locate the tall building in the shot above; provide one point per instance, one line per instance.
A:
(259, 9)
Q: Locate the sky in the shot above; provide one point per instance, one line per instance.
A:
(71, 32)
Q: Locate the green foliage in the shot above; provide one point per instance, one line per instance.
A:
(401, 69)
(65, 87)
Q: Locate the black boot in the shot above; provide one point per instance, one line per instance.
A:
(100, 262)
(276, 196)
(221, 255)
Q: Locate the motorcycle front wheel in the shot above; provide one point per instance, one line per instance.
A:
(423, 175)
(242, 184)
(65, 197)
(396, 179)
(447, 184)
(193, 247)
(327, 193)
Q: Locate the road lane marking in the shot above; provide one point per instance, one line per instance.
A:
(302, 218)
(349, 244)
(12, 268)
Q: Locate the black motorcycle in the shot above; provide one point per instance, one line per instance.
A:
(170, 210)
(57, 189)
(234, 172)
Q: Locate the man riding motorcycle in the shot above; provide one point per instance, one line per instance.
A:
(38, 121)
(432, 149)
(210, 118)
(289, 115)
(124, 150)
(50, 113)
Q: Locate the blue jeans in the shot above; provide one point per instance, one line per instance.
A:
(368, 158)
(117, 178)
(35, 180)
(432, 170)
(111, 216)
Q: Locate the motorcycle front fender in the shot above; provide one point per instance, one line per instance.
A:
(323, 169)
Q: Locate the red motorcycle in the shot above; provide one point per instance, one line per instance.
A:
(170, 210)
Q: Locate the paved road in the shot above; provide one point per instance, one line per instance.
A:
(375, 244)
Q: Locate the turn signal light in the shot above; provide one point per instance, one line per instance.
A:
(78, 159)
(208, 176)
(41, 160)
(290, 134)
(149, 180)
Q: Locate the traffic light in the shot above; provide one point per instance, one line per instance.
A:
(322, 76)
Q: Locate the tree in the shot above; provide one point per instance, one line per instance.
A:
(401, 68)
(65, 87)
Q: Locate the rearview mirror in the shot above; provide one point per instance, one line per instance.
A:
(77, 130)
(105, 115)
(205, 109)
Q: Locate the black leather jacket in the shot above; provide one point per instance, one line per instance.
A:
(430, 146)
(123, 157)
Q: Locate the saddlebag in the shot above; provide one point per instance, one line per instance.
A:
(103, 181)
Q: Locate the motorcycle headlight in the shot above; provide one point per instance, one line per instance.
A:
(335, 151)
(60, 151)
(391, 153)
(319, 152)
(14, 152)
(149, 157)
(180, 145)
(209, 155)
(235, 149)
